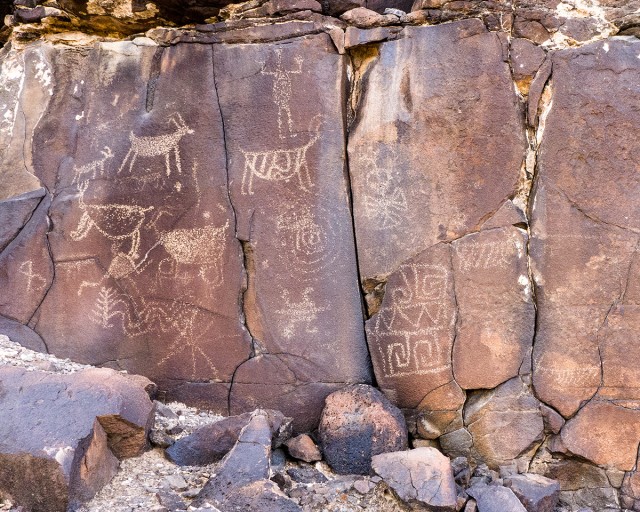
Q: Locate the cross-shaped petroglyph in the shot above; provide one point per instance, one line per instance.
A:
(299, 316)
(35, 282)
(383, 200)
(282, 92)
(158, 145)
(409, 330)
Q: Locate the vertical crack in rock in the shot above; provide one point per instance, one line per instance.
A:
(154, 74)
(536, 120)
(348, 103)
(360, 61)
(456, 324)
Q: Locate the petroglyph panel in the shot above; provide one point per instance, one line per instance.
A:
(437, 149)
(584, 248)
(285, 142)
(411, 337)
(495, 304)
(143, 231)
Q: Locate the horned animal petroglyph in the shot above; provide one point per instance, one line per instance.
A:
(158, 145)
(278, 165)
(92, 168)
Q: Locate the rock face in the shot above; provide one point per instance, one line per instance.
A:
(62, 435)
(358, 423)
(295, 196)
(584, 253)
(421, 477)
(198, 249)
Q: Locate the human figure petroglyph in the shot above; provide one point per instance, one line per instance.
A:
(282, 92)
(383, 201)
(117, 222)
(35, 281)
(300, 315)
(92, 169)
(279, 165)
(411, 330)
(158, 145)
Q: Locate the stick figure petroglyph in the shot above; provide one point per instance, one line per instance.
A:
(158, 145)
(34, 280)
(299, 314)
(92, 168)
(117, 222)
(282, 92)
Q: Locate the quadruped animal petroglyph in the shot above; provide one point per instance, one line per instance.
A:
(149, 146)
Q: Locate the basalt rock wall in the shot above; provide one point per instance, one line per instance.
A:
(260, 211)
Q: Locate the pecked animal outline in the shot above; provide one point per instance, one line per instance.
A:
(117, 222)
(279, 165)
(93, 168)
(158, 145)
(193, 246)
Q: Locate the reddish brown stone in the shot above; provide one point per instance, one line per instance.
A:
(286, 173)
(495, 306)
(526, 58)
(357, 423)
(15, 212)
(59, 433)
(604, 433)
(583, 232)
(26, 270)
(411, 337)
(505, 423)
(422, 478)
(302, 447)
(454, 94)
(143, 239)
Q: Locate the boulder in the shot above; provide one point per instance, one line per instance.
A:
(495, 498)
(357, 423)
(210, 443)
(537, 493)
(303, 448)
(62, 435)
(421, 477)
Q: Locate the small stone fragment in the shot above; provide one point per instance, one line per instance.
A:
(494, 498)
(306, 475)
(537, 493)
(160, 438)
(302, 447)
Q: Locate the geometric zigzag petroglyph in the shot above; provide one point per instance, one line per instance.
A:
(411, 329)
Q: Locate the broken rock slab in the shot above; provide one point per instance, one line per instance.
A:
(357, 423)
(61, 435)
(495, 498)
(537, 493)
(242, 480)
(211, 443)
(421, 477)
